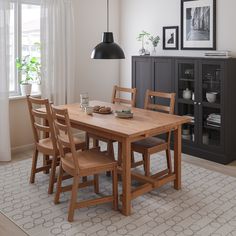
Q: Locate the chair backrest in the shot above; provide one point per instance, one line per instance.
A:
(64, 134)
(116, 98)
(150, 105)
(41, 122)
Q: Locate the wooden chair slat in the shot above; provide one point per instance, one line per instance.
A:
(60, 126)
(122, 100)
(39, 114)
(158, 107)
(42, 128)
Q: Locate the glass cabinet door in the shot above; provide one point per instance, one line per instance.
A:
(189, 129)
(186, 81)
(211, 109)
(186, 88)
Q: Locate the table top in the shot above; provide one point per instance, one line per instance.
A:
(144, 122)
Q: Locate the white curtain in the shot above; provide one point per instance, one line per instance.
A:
(58, 51)
(5, 150)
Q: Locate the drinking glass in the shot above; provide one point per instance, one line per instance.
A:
(84, 100)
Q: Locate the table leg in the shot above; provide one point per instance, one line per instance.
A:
(177, 157)
(126, 177)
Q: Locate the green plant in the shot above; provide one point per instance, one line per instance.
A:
(154, 40)
(30, 68)
(142, 36)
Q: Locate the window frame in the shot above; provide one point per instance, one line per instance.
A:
(18, 38)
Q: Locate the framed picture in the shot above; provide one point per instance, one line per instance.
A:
(198, 24)
(171, 38)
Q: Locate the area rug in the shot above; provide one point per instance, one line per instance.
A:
(206, 205)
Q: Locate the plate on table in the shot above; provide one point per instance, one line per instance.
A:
(102, 110)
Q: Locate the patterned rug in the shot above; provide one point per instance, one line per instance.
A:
(206, 205)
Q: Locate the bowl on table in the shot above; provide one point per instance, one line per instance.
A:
(124, 114)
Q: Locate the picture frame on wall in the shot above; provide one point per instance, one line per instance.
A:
(198, 24)
(171, 38)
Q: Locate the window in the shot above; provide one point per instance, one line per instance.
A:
(24, 38)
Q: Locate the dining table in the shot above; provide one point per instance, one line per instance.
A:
(143, 124)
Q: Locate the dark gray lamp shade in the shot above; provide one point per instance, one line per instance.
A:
(107, 49)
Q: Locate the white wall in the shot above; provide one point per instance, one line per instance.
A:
(152, 15)
(96, 77)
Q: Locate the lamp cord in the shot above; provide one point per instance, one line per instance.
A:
(107, 15)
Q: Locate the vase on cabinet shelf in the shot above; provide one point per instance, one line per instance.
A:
(154, 52)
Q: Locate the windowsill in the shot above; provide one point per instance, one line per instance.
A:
(19, 97)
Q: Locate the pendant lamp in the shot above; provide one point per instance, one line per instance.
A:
(108, 49)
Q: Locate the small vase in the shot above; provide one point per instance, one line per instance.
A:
(154, 52)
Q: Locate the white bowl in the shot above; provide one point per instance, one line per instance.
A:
(211, 97)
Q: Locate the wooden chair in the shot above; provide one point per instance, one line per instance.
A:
(153, 145)
(116, 98)
(117, 91)
(80, 164)
(45, 140)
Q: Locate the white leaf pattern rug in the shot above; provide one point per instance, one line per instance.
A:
(206, 205)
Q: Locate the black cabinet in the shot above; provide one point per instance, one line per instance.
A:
(205, 90)
(154, 73)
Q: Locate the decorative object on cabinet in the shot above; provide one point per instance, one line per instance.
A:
(143, 37)
(198, 24)
(171, 38)
(201, 76)
(187, 94)
(211, 97)
(154, 40)
(108, 49)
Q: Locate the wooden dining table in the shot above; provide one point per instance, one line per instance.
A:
(145, 123)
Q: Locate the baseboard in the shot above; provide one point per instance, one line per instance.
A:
(21, 149)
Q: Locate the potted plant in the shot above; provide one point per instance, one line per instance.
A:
(30, 69)
(154, 41)
(142, 37)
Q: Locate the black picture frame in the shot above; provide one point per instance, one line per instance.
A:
(202, 43)
(176, 37)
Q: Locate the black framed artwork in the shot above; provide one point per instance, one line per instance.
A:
(198, 24)
(171, 38)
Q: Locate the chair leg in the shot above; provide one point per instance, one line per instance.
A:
(34, 166)
(46, 162)
(95, 142)
(115, 189)
(73, 198)
(110, 151)
(132, 158)
(146, 163)
(119, 158)
(52, 174)
(87, 140)
(59, 182)
(168, 157)
(96, 184)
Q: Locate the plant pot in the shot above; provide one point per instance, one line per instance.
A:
(25, 89)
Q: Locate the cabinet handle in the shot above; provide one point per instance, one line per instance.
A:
(199, 103)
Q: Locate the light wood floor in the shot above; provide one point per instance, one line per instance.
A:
(8, 228)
